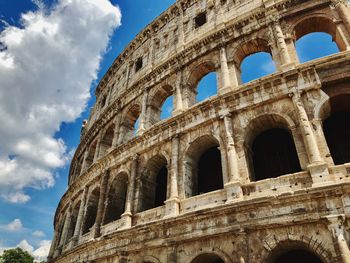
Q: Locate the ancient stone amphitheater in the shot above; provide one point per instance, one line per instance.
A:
(257, 173)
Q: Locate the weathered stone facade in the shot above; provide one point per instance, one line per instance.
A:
(139, 196)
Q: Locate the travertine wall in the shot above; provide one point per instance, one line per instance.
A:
(248, 220)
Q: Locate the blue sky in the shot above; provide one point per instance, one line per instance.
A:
(30, 217)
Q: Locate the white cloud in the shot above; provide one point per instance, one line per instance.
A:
(46, 69)
(38, 233)
(26, 246)
(268, 67)
(15, 226)
(40, 253)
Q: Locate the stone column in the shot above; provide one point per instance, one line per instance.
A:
(101, 201)
(181, 42)
(343, 36)
(344, 12)
(234, 75)
(225, 76)
(83, 166)
(143, 117)
(317, 167)
(233, 186)
(65, 227)
(117, 122)
(98, 146)
(178, 107)
(80, 217)
(127, 215)
(336, 226)
(172, 204)
(286, 62)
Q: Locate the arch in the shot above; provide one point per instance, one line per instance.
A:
(318, 23)
(91, 155)
(252, 50)
(202, 176)
(128, 125)
(91, 210)
(336, 129)
(197, 73)
(294, 251)
(208, 258)
(153, 188)
(107, 140)
(116, 198)
(250, 47)
(150, 259)
(73, 221)
(256, 66)
(157, 99)
(268, 139)
(211, 254)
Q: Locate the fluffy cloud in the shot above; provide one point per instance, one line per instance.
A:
(46, 68)
(15, 226)
(40, 253)
(38, 233)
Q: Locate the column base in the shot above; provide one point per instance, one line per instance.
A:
(177, 112)
(288, 66)
(224, 90)
(319, 173)
(172, 207)
(97, 231)
(234, 191)
(127, 220)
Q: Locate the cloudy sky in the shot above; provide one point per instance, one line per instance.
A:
(52, 55)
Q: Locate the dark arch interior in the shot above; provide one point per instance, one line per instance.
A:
(154, 184)
(91, 211)
(161, 187)
(274, 154)
(210, 171)
(337, 133)
(208, 258)
(116, 200)
(297, 255)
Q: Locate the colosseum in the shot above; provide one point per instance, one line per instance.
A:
(259, 172)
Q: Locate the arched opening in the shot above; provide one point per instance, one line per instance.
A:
(317, 32)
(160, 104)
(154, 183)
(202, 83)
(60, 231)
(73, 221)
(291, 253)
(256, 66)
(274, 154)
(90, 157)
(130, 123)
(305, 46)
(337, 129)
(107, 140)
(296, 255)
(207, 87)
(167, 108)
(116, 198)
(208, 258)
(91, 211)
(254, 60)
(203, 169)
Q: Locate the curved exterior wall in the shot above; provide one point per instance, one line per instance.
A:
(248, 220)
